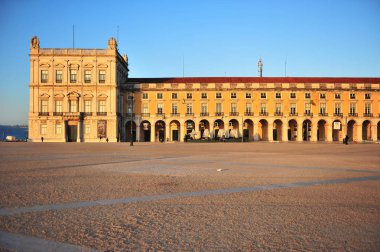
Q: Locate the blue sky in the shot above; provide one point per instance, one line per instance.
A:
(323, 38)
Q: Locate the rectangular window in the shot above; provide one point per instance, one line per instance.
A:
(159, 108)
(189, 108)
(233, 95)
(263, 108)
(352, 96)
(322, 96)
(44, 76)
(174, 108)
(102, 76)
(338, 108)
(204, 108)
(204, 95)
(145, 108)
(367, 108)
(189, 95)
(278, 95)
(43, 129)
(58, 76)
(218, 108)
(293, 108)
(102, 106)
(263, 95)
(159, 96)
(278, 108)
(218, 95)
(145, 96)
(44, 106)
(322, 108)
(58, 106)
(73, 76)
(307, 108)
(352, 108)
(293, 95)
(337, 96)
(307, 95)
(367, 96)
(233, 107)
(58, 129)
(248, 95)
(73, 106)
(87, 106)
(248, 107)
(87, 76)
(87, 128)
(174, 96)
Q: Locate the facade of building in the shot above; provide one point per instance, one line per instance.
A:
(76, 94)
(103, 101)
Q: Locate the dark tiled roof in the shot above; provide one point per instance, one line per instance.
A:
(256, 80)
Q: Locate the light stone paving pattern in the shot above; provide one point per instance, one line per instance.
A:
(114, 197)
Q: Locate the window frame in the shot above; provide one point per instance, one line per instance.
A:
(102, 76)
(44, 76)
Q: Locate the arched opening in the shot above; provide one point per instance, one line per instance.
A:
(366, 130)
(174, 131)
(352, 130)
(233, 129)
(128, 132)
(321, 131)
(336, 130)
(204, 129)
(160, 131)
(277, 130)
(145, 128)
(263, 130)
(292, 131)
(218, 129)
(248, 130)
(306, 130)
(190, 129)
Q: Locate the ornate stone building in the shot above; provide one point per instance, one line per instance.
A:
(75, 94)
(85, 95)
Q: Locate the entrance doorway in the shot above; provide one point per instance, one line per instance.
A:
(72, 131)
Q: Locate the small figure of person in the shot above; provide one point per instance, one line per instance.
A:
(346, 139)
(107, 139)
(100, 138)
(42, 139)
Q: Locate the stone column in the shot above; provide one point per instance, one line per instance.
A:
(314, 130)
(167, 129)
(374, 132)
(284, 132)
(152, 133)
(256, 131)
(359, 133)
(137, 133)
(241, 125)
(270, 131)
(182, 130)
(328, 132)
(79, 131)
(299, 131)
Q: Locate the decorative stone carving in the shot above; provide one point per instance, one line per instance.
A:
(35, 43)
(112, 44)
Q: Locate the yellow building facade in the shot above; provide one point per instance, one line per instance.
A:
(257, 109)
(76, 94)
(85, 95)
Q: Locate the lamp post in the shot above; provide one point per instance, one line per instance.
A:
(131, 138)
